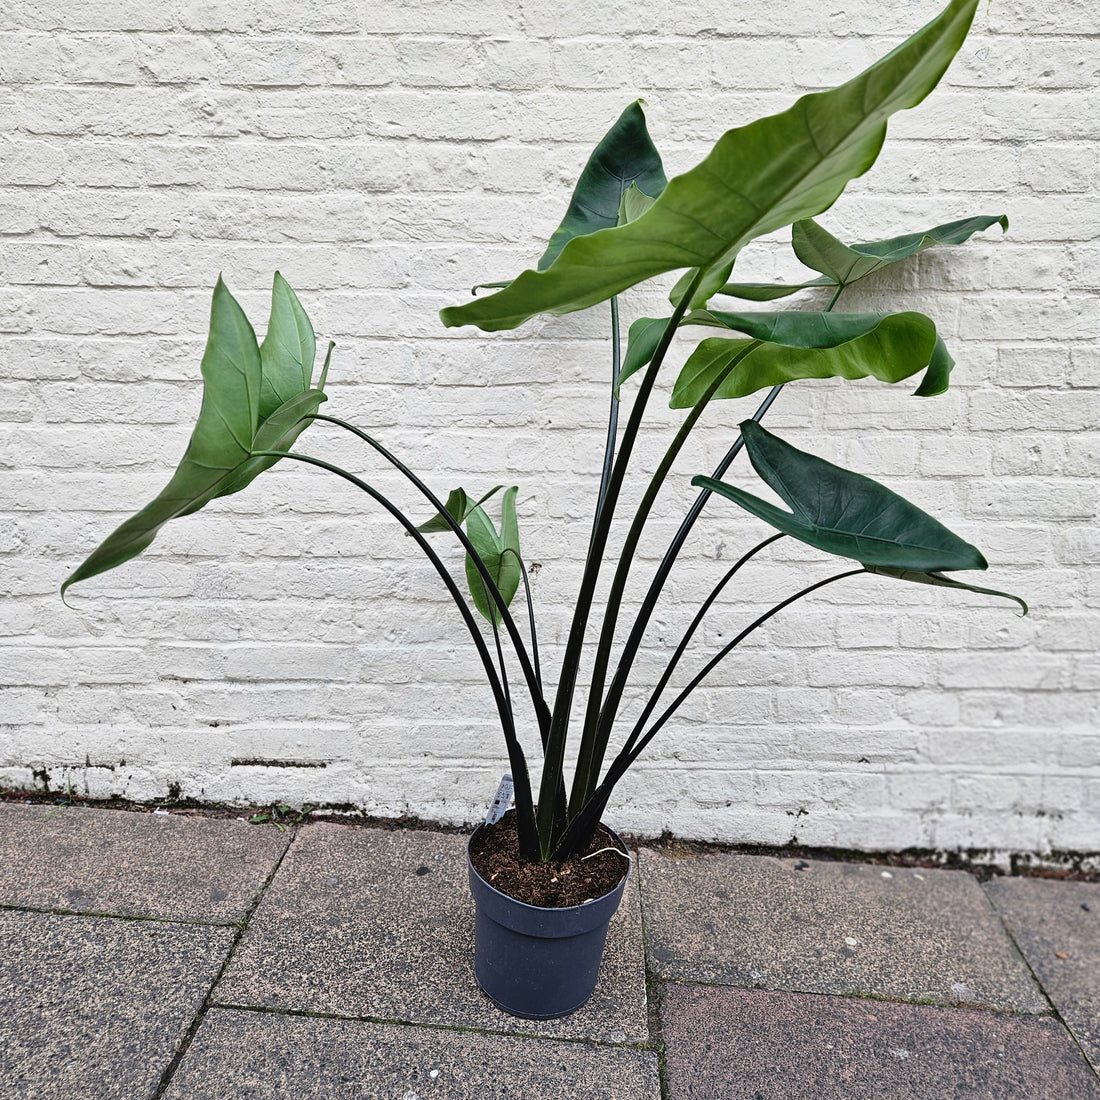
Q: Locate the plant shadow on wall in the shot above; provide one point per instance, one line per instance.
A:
(626, 224)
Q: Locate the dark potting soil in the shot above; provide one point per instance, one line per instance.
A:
(495, 856)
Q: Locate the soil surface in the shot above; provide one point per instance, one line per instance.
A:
(494, 852)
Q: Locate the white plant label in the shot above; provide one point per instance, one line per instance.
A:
(501, 800)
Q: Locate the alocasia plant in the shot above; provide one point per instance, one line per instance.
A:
(625, 224)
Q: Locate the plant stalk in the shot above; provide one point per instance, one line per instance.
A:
(549, 814)
(528, 838)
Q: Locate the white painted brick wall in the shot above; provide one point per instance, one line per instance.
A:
(387, 156)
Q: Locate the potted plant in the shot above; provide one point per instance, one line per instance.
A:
(546, 879)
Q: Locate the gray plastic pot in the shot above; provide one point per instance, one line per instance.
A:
(533, 962)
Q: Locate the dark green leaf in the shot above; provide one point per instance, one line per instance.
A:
(944, 582)
(230, 426)
(499, 552)
(842, 512)
(641, 345)
(756, 179)
(888, 347)
(624, 157)
(458, 506)
(820, 250)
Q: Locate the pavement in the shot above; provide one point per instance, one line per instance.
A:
(190, 957)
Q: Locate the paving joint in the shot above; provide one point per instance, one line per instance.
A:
(1042, 989)
(431, 1025)
(241, 926)
(136, 917)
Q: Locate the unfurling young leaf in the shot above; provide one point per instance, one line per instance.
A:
(500, 553)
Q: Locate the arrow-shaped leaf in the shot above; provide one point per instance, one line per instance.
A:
(625, 158)
(845, 264)
(757, 178)
(842, 512)
(232, 423)
(796, 345)
(499, 552)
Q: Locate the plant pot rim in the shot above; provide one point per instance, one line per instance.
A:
(550, 908)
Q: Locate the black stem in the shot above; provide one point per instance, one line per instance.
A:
(530, 615)
(590, 814)
(670, 668)
(548, 813)
(528, 838)
(534, 682)
(613, 413)
(600, 712)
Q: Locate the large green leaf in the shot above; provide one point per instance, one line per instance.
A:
(625, 158)
(842, 512)
(756, 179)
(796, 345)
(499, 552)
(820, 250)
(231, 425)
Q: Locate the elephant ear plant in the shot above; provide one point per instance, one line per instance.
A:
(626, 224)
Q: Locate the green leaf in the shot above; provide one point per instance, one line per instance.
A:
(756, 179)
(845, 264)
(288, 350)
(888, 347)
(641, 345)
(499, 552)
(634, 204)
(942, 581)
(624, 158)
(230, 426)
(842, 512)
(768, 292)
(459, 506)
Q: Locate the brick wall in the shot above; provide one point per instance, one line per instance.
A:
(385, 157)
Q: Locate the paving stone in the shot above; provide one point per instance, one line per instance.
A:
(266, 1056)
(95, 1007)
(824, 927)
(764, 1045)
(1057, 927)
(379, 924)
(91, 860)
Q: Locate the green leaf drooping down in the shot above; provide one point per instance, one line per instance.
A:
(500, 553)
(254, 399)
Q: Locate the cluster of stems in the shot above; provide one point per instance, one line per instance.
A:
(557, 825)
